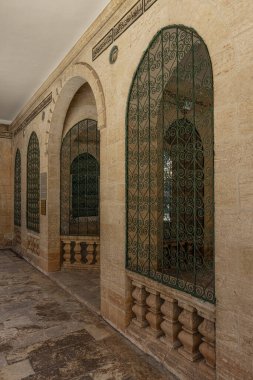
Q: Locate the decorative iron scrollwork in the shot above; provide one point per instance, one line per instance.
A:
(33, 184)
(80, 180)
(17, 189)
(170, 169)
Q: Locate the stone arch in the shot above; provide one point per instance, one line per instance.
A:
(74, 77)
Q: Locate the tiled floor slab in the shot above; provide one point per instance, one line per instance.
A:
(46, 334)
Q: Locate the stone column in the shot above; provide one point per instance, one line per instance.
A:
(189, 335)
(207, 347)
(139, 308)
(170, 324)
(154, 315)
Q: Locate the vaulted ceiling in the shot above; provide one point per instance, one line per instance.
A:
(35, 36)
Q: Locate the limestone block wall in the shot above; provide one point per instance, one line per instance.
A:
(6, 184)
(82, 106)
(226, 27)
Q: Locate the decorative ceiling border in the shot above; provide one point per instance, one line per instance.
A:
(122, 25)
(34, 113)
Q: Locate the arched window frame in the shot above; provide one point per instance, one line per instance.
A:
(85, 180)
(33, 184)
(144, 242)
(82, 138)
(17, 189)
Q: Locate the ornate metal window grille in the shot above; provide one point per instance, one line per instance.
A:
(33, 184)
(80, 180)
(17, 189)
(170, 166)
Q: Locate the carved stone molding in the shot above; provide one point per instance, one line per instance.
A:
(127, 20)
(102, 45)
(45, 102)
(122, 25)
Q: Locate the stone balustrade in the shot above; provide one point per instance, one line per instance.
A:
(33, 244)
(165, 319)
(80, 252)
(17, 235)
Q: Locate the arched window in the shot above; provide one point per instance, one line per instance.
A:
(84, 171)
(80, 180)
(33, 184)
(17, 189)
(170, 170)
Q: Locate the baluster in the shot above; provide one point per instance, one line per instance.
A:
(189, 335)
(66, 251)
(139, 308)
(77, 252)
(207, 347)
(97, 253)
(90, 252)
(84, 252)
(154, 315)
(36, 246)
(94, 253)
(170, 324)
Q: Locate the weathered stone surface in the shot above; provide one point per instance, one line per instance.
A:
(54, 337)
(17, 371)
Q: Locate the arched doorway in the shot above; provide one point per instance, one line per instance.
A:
(73, 79)
(78, 114)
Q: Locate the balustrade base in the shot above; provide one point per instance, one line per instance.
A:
(210, 372)
(175, 328)
(138, 323)
(170, 357)
(153, 333)
(189, 355)
(80, 266)
(169, 344)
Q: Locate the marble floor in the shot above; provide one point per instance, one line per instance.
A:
(47, 334)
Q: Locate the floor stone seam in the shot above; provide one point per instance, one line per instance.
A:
(79, 299)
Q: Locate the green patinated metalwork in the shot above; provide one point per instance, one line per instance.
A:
(33, 184)
(80, 180)
(170, 164)
(17, 189)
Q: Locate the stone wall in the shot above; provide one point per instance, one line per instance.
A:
(6, 184)
(82, 106)
(226, 28)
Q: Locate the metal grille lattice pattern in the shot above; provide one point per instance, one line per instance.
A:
(170, 170)
(33, 184)
(17, 189)
(80, 180)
